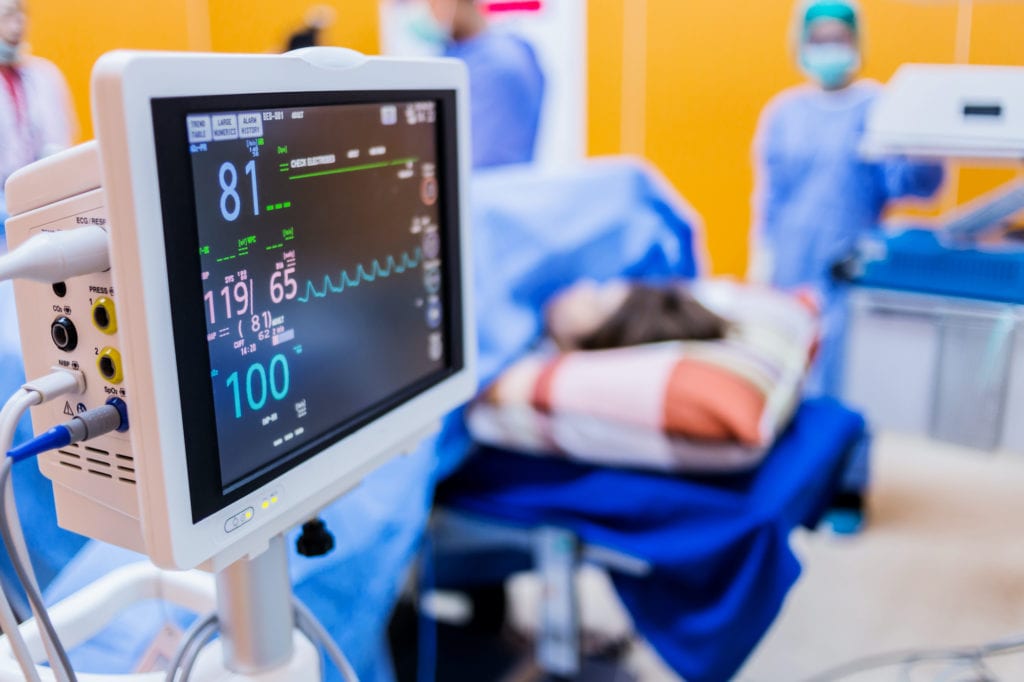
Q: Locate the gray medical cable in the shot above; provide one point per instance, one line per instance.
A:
(203, 630)
(9, 583)
(10, 529)
(10, 415)
(914, 656)
(40, 390)
(316, 632)
(191, 654)
(303, 627)
(976, 667)
(191, 635)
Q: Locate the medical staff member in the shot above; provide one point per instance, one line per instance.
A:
(506, 83)
(815, 195)
(35, 104)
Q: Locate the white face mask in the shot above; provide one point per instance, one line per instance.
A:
(9, 54)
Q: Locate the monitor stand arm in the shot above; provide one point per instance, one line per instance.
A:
(255, 611)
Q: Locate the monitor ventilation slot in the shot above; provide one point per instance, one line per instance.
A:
(99, 462)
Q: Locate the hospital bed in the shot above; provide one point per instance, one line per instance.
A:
(703, 564)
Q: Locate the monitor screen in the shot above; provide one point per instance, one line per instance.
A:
(322, 273)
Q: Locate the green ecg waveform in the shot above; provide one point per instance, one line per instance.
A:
(391, 266)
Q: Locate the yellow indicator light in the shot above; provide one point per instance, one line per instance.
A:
(266, 505)
(248, 514)
(273, 500)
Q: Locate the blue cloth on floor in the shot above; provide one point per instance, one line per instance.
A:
(718, 547)
(533, 233)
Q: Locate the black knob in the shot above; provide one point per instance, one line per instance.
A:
(315, 539)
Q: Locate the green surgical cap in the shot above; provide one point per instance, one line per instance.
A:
(831, 9)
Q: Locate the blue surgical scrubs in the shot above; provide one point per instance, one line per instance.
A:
(506, 91)
(816, 197)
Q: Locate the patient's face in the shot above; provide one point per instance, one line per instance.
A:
(579, 310)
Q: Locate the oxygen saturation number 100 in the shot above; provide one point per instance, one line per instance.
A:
(261, 384)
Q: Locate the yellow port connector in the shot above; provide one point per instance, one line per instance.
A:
(109, 364)
(104, 316)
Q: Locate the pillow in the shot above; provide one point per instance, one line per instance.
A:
(676, 405)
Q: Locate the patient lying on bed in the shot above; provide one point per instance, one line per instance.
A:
(689, 377)
(594, 316)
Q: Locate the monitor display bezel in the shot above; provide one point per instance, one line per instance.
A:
(188, 321)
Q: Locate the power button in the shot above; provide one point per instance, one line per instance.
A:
(238, 520)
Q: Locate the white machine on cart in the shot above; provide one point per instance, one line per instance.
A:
(950, 111)
(933, 346)
(285, 307)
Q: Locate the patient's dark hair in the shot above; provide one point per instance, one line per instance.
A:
(651, 314)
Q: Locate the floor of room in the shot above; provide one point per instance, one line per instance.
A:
(941, 564)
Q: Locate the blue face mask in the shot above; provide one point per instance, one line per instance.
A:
(831, 64)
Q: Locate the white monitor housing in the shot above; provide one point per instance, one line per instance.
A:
(949, 111)
(288, 305)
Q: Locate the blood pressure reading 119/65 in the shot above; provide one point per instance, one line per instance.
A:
(321, 263)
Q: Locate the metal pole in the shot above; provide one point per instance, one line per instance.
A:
(556, 555)
(255, 611)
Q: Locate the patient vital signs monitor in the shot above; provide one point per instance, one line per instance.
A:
(287, 305)
(322, 269)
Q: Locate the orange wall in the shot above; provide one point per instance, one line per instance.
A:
(605, 64)
(73, 33)
(264, 25)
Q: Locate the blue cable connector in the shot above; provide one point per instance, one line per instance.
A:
(92, 423)
(57, 437)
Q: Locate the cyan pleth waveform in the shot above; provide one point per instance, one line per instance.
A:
(368, 274)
